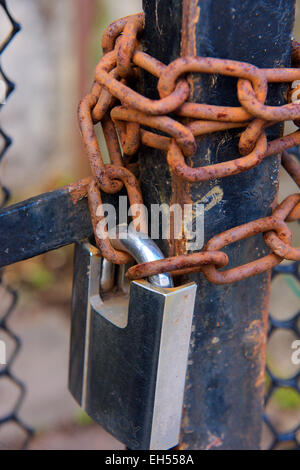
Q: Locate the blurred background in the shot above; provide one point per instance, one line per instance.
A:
(52, 62)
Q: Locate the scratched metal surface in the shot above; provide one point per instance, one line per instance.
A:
(224, 389)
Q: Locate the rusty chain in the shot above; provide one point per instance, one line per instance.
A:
(122, 112)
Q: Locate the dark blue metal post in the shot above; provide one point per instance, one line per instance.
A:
(225, 381)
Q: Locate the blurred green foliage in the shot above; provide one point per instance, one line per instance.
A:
(287, 398)
(82, 418)
(40, 277)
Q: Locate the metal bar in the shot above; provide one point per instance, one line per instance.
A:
(225, 382)
(46, 222)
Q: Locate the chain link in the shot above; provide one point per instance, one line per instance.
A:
(122, 111)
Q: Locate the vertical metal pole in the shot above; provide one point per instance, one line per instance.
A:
(225, 380)
(85, 11)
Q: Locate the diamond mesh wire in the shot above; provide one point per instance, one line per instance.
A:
(286, 436)
(6, 309)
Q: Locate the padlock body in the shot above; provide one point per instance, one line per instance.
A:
(128, 364)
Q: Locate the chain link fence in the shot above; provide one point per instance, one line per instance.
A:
(7, 294)
(275, 381)
(282, 415)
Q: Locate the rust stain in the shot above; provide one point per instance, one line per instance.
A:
(213, 441)
(79, 189)
(190, 18)
(180, 188)
(254, 340)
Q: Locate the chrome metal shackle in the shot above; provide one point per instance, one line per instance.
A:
(141, 248)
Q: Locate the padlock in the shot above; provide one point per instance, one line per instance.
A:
(129, 353)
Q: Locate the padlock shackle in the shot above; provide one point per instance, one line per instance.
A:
(141, 248)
